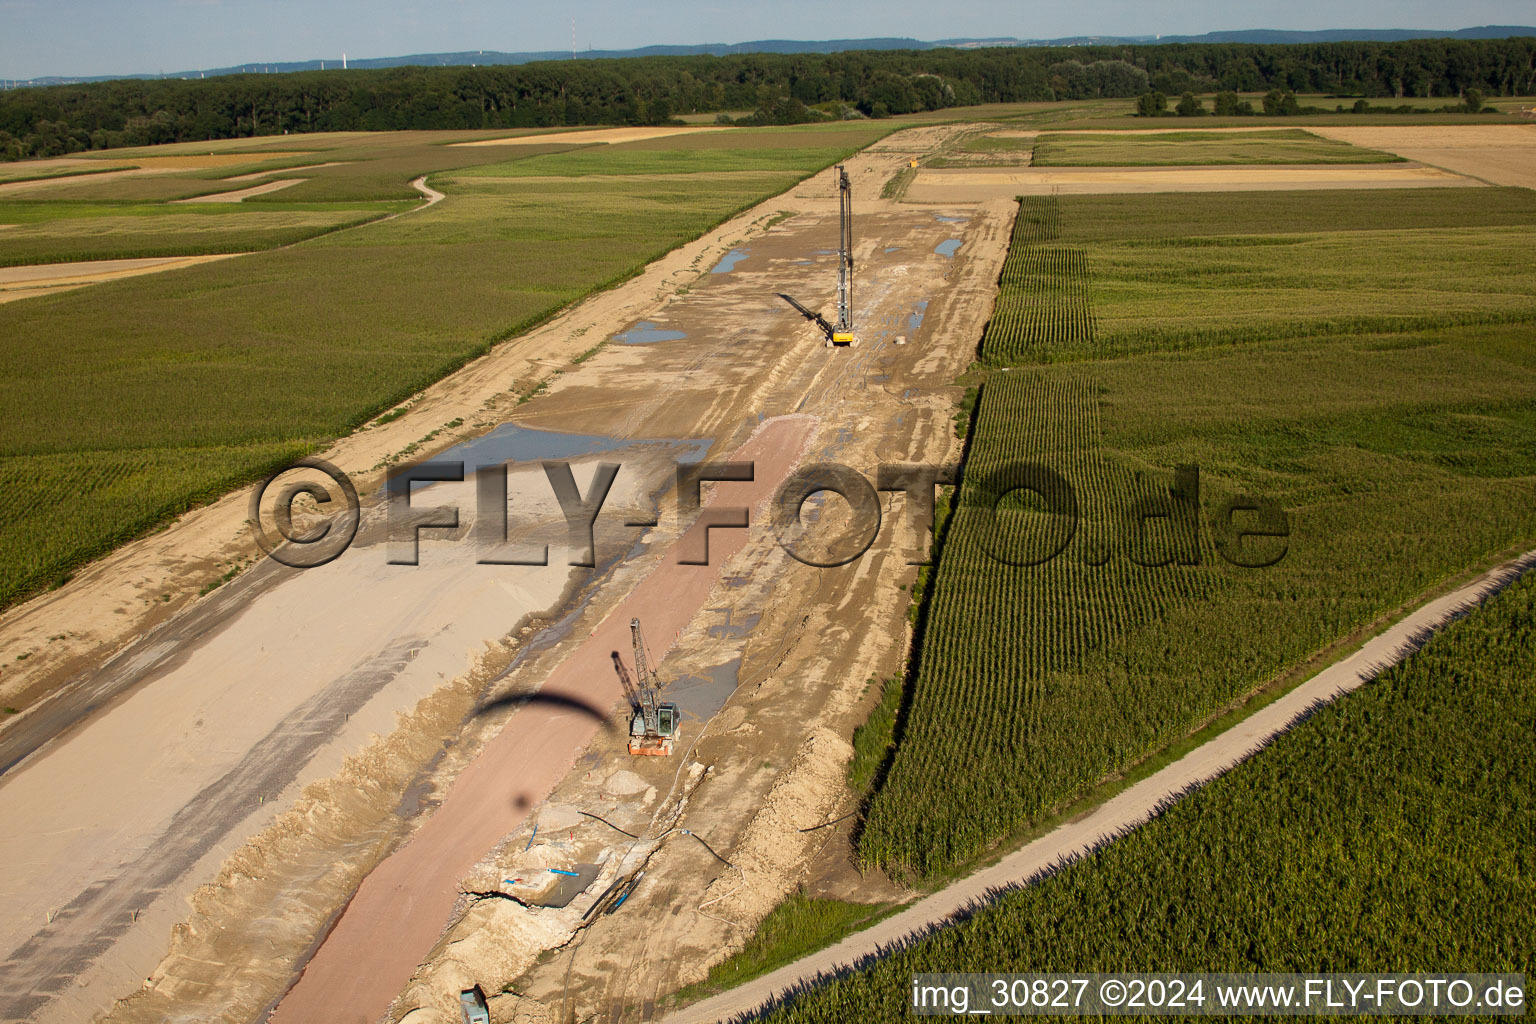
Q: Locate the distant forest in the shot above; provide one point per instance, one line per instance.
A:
(776, 88)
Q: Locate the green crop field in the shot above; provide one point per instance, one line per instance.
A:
(65, 232)
(1178, 215)
(998, 144)
(30, 172)
(624, 160)
(1402, 451)
(1387, 832)
(1281, 146)
(144, 396)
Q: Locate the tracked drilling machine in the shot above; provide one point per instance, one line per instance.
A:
(653, 726)
(842, 334)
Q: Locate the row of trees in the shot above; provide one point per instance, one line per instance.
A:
(1281, 104)
(652, 90)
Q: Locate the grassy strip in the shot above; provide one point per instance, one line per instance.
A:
(799, 925)
(874, 741)
(897, 186)
(1333, 850)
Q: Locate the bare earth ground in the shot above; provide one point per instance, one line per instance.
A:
(1127, 810)
(1497, 154)
(771, 763)
(411, 894)
(49, 278)
(727, 319)
(243, 737)
(978, 184)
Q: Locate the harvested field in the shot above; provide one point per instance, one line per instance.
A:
(74, 179)
(972, 185)
(1497, 154)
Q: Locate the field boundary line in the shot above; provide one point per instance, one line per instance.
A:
(1117, 816)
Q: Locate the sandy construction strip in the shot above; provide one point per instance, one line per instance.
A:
(1500, 154)
(49, 278)
(103, 857)
(408, 897)
(1129, 809)
(581, 138)
(976, 184)
(239, 195)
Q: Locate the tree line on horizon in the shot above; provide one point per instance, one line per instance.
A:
(775, 88)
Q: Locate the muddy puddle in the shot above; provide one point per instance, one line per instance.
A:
(915, 318)
(729, 260)
(702, 696)
(511, 444)
(647, 332)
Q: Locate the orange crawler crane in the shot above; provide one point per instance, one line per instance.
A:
(653, 726)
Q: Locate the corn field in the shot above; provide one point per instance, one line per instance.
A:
(1005, 710)
(1037, 678)
(1386, 832)
(1043, 310)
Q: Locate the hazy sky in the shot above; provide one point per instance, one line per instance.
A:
(103, 37)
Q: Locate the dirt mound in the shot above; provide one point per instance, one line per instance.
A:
(773, 851)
